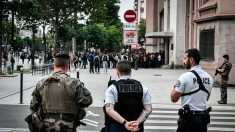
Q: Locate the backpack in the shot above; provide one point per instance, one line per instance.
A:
(90, 58)
(96, 59)
(105, 58)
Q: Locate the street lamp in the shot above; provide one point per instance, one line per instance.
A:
(1, 18)
(21, 85)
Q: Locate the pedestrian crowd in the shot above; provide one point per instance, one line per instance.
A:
(105, 60)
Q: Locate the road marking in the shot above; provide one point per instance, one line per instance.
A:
(175, 121)
(177, 106)
(90, 122)
(89, 113)
(176, 117)
(176, 112)
(175, 127)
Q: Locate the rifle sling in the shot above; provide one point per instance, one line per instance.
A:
(201, 86)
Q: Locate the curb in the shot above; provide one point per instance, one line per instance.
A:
(9, 75)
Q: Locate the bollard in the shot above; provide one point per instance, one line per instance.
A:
(78, 73)
(21, 85)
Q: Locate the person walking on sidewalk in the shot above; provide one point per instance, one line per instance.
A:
(97, 63)
(194, 88)
(127, 102)
(58, 100)
(224, 72)
(105, 59)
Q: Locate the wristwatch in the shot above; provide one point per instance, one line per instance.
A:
(124, 122)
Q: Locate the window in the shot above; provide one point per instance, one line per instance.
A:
(207, 44)
(162, 20)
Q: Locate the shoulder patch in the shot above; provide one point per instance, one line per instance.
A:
(178, 83)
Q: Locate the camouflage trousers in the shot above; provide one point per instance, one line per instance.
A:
(53, 125)
(223, 90)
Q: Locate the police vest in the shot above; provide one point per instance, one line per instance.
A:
(130, 99)
(57, 96)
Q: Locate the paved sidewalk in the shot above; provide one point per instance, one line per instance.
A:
(159, 81)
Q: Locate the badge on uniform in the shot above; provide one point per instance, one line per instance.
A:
(178, 83)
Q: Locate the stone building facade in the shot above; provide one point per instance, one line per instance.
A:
(208, 25)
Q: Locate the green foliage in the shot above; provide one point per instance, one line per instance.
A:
(104, 11)
(64, 16)
(142, 31)
(101, 37)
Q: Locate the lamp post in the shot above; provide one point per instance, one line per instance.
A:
(21, 85)
(1, 18)
(78, 73)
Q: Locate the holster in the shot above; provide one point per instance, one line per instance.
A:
(34, 123)
(80, 115)
(208, 118)
(31, 125)
(38, 122)
(184, 114)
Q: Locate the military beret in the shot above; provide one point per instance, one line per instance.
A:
(62, 55)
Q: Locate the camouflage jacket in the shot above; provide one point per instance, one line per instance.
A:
(82, 96)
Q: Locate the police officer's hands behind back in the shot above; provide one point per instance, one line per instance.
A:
(132, 126)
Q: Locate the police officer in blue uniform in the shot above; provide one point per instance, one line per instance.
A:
(194, 88)
(127, 102)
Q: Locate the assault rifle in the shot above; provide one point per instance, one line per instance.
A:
(107, 119)
(111, 81)
(216, 71)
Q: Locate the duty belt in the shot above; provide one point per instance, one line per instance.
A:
(57, 116)
(198, 112)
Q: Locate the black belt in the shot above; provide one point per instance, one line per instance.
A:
(198, 112)
(60, 116)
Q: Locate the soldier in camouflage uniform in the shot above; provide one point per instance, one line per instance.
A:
(59, 100)
(224, 72)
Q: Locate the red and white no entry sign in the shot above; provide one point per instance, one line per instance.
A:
(130, 16)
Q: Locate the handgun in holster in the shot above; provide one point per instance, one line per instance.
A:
(80, 115)
(184, 114)
(208, 110)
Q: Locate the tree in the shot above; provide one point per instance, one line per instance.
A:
(142, 31)
(61, 10)
(114, 38)
(104, 11)
(28, 16)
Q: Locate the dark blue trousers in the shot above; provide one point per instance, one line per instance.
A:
(195, 123)
(117, 127)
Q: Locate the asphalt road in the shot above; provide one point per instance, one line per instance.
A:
(12, 116)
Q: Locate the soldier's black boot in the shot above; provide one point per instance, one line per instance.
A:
(222, 102)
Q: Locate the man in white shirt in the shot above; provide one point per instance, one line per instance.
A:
(194, 88)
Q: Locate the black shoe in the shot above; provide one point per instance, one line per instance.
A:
(222, 102)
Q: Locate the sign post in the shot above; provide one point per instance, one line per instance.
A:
(130, 34)
(130, 16)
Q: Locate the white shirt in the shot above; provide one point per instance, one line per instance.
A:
(111, 95)
(187, 83)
